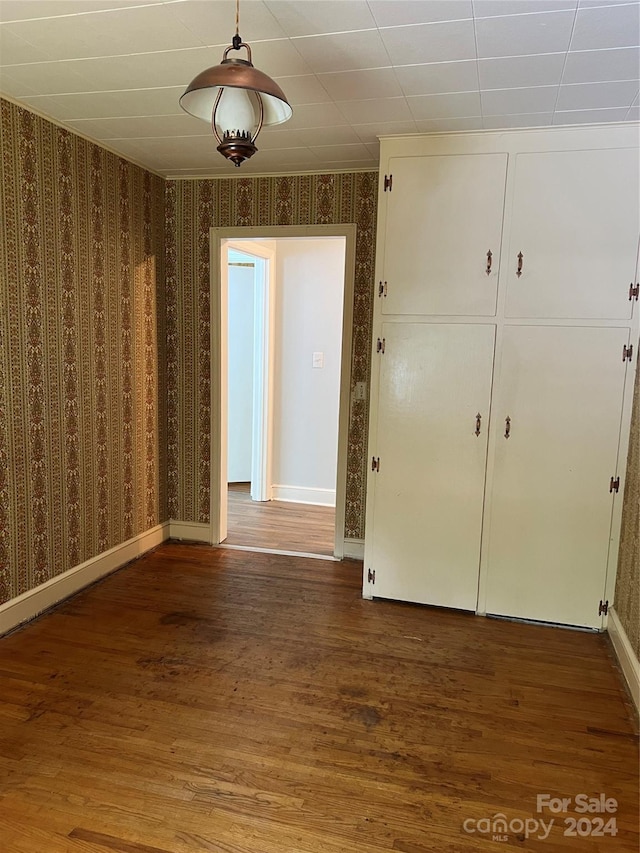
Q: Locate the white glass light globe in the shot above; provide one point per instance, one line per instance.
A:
(236, 112)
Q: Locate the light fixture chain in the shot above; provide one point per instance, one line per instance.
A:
(237, 17)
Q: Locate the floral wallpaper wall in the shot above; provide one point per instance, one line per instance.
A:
(192, 208)
(82, 387)
(627, 598)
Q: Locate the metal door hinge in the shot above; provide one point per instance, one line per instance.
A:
(634, 292)
(614, 484)
(371, 577)
(382, 288)
(627, 352)
(380, 345)
(388, 182)
(603, 608)
(375, 463)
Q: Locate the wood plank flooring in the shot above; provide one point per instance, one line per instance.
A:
(279, 525)
(204, 699)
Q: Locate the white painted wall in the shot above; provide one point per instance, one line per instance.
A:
(309, 298)
(240, 354)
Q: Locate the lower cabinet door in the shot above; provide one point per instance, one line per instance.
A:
(431, 442)
(556, 421)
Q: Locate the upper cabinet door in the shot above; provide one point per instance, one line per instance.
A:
(574, 235)
(443, 233)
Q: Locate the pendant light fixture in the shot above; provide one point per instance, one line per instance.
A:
(237, 99)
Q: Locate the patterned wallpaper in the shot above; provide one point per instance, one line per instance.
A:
(192, 208)
(82, 387)
(627, 598)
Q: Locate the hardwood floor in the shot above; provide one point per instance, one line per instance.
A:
(279, 525)
(204, 699)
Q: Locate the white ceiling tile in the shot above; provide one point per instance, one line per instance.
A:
(447, 125)
(392, 13)
(497, 8)
(585, 4)
(369, 133)
(144, 127)
(438, 77)
(133, 150)
(303, 89)
(596, 96)
(589, 116)
(367, 165)
(270, 138)
(359, 85)
(343, 52)
(19, 10)
(316, 115)
(48, 105)
(48, 78)
(340, 135)
(545, 69)
(376, 109)
(633, 114)
(547, 32)
(143, 102)
(321, 16)
(593, 66)
(302, 157)
(522, 120)
(276, 58)
(610, 26)
(121, 31)
(539, 99)
(330, 153)
(177, 153)
(13, 86)
(14, 49)
(179, 174)
(635, 100)
(215, 22)
(141, 70)
(422, 43)
(456, 105)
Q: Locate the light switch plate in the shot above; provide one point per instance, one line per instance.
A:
(318, 359)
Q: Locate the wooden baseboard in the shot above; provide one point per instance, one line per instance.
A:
(626, 656)
(190, 531)
(353, 549)
(30, 604)
(304, 495)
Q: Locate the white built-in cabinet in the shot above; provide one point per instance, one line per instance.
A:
(505, 313)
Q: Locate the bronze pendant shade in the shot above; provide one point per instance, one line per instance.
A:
(237, 99)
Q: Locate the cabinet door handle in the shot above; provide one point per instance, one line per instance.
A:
(489, 259)
(507, 427)
(478, 422)
(520, 259)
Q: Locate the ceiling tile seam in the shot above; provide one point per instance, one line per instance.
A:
(88, 12)
(475, 44)
(564, 64)
(595, 109)
(211, 47)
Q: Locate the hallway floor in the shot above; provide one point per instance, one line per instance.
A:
(279, 525)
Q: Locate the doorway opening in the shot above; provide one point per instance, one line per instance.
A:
(281, 303)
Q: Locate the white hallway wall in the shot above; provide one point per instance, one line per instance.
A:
(308, 319)
(240, 355)
(309, 298)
